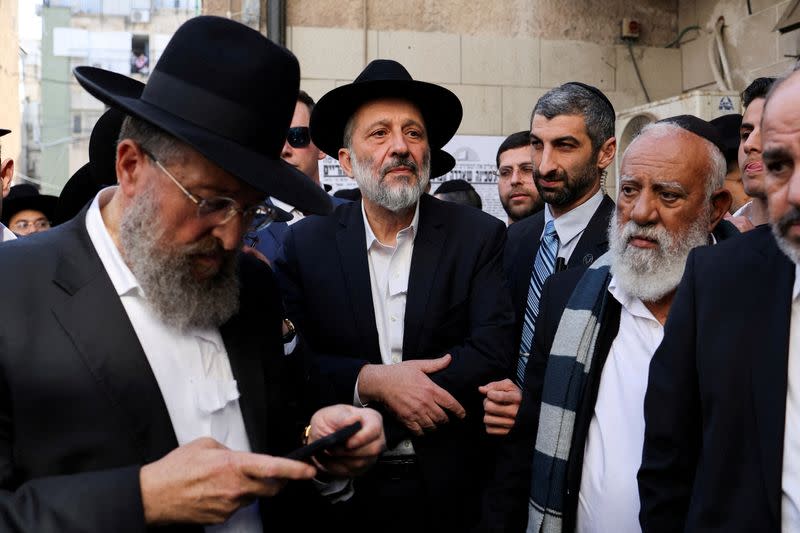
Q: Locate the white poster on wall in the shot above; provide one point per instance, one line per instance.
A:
(475, 163)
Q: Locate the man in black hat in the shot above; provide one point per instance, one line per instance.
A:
(401, 298)
(143, 376)
(26, 211)
(460, 192)
(585, 399)
(6, 175)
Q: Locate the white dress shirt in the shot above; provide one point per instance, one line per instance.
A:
(389, 269)
(192, 368)
(570, 225)
(790, 481)
(297, 215)
(6, 234)
(609, 496)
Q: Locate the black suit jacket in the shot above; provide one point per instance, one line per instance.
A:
(80, 409)
(523, 244)
(716, 397)
(457, 303)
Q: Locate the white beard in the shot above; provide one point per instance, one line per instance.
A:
(394, 199)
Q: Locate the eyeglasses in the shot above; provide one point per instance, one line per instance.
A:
(223, 208)
(29, 226)
(298, 137)
(507, 172)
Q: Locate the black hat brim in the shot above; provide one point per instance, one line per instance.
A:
(272, 176)
(440, 108)
(43, 203)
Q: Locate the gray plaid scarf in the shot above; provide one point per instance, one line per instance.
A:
(567, 369)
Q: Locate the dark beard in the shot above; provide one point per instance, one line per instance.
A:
(573, 186)
(165, 273)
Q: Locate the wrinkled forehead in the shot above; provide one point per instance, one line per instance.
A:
(387, 109)
(780, 121)
(666, 156)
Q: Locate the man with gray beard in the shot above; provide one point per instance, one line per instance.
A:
(401, 298)
(574, 449)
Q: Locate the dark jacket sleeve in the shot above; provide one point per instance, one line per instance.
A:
(672, 418)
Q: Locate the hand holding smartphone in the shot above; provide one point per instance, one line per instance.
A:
(337, 438)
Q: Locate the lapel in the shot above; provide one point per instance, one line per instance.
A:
(94, 318)
(351, 242)
(246, 361)
(594, 241)
(428, 244)
(770, 369)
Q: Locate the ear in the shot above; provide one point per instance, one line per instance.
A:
(130, 160)
(720, 204)
(605, 156)
(344, 161)
(6, 175)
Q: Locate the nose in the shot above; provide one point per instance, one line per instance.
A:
(547, 161)
(517, 176)
(230, 233)
(753, 141)
(399, 145)
(287, 150)
(643, 211)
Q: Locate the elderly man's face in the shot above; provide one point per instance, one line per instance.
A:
(781, 141)
(389, 155)
(662, 211)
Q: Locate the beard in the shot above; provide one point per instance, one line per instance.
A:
(519, 212)
(651, 273)
(375, 188)
(779, 229)
(573, 187)
(166, 273)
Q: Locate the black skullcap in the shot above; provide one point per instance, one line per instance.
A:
(597, 92)
(728, 127)
(453, 186)
(698, 126)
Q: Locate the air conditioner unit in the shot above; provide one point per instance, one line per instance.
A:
(704, 104)
(139, 15)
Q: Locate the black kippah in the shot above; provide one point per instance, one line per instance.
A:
(698, 126)
(597, 92)
(454, 186)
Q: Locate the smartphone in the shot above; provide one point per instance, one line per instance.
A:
(336, 438)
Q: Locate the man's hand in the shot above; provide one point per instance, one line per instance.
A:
(360, 451)
(204, 482)
(409, 393)
(500, 406)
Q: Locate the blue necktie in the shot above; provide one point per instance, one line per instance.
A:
(543, 266)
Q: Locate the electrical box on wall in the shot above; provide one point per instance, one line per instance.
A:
(630, 29)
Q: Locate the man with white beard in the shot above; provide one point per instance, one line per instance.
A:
(576, 444)
(401, 299)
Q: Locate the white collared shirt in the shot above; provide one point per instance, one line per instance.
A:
(6, 234)
(192, 368)
(389, 270)
(297, 215)
(609, 495)
(570, 225)
(790, 480)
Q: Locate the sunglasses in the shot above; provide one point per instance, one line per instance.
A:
(298, 137)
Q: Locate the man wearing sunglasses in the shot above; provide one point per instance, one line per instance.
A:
(300, 152)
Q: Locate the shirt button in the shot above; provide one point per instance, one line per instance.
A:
(394, 318)
(395, 359)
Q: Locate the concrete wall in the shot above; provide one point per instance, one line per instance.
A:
(10, 116)
(753, 49)
(497, 56)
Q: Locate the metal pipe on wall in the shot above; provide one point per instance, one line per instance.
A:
(276, 21)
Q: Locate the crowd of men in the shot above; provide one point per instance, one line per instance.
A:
(204, 307)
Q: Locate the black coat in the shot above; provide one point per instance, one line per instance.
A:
(80, 408)
(716, 397)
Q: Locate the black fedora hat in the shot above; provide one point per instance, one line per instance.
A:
(25, 196)
(385, 78)
(228, 92)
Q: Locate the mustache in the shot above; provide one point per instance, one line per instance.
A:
(553, 175)
(632, 230)
(790, 218)
(397, 162)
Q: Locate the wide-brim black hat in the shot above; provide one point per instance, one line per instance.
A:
(441, 163)
(4, 132)
(228, 92)
(385, 78)
(25, 196)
